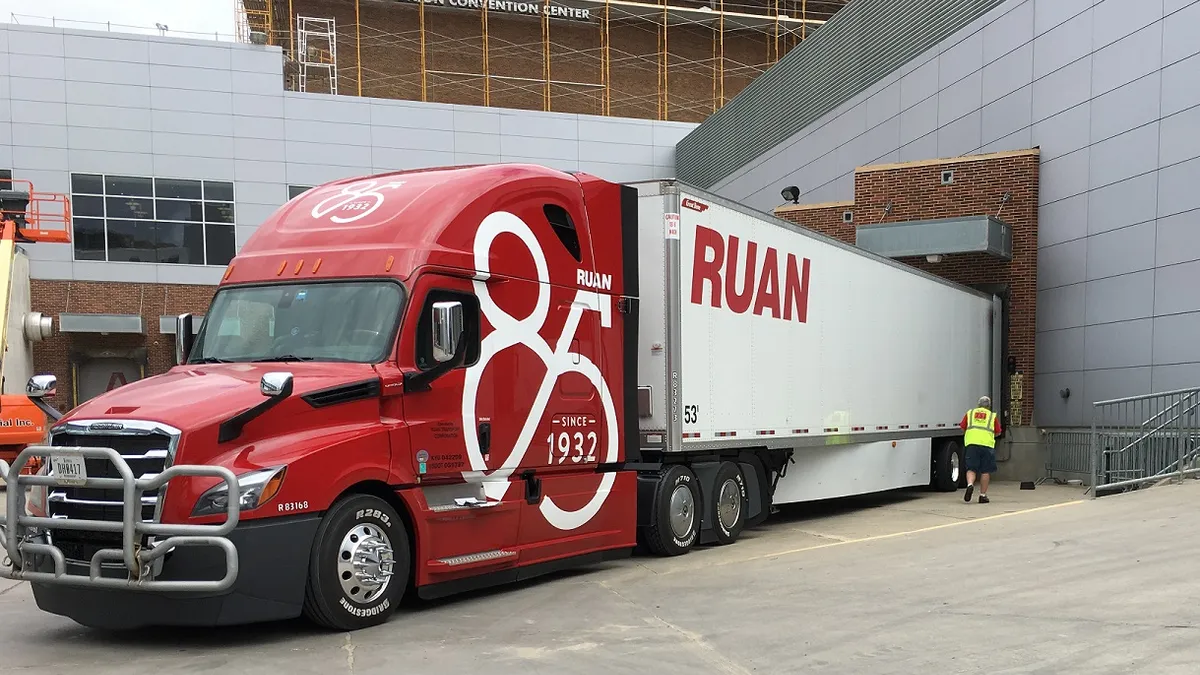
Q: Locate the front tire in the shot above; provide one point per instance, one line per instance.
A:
(360, 564)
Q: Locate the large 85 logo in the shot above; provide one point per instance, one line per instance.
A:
(354, 201)
(559, 360)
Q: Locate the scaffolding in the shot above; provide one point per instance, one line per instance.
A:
(317, 51)
(594, 56)
(254, 16)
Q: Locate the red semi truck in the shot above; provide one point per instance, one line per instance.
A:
(365, 409)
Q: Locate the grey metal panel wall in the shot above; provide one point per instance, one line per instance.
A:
(863, 42)
(99, 102)
(1110, 92)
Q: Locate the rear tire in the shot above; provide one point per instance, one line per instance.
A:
(360, 564)
(677, 513)
(729, 505)
(949, 467)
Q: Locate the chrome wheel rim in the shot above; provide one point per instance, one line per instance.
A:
(365, 563)
(729, 504)
(683, 511)
(954, 467)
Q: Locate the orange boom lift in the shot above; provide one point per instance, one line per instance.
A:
(26, 217)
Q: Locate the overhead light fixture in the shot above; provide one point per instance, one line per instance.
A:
(935, 258)
(791, 194)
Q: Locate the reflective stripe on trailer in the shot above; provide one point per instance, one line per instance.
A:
(828, 430)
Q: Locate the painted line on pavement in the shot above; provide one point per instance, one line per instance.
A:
(878, 537)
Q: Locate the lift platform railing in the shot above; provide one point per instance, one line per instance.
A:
(22, 533)
(43, 217)
(1141, 440)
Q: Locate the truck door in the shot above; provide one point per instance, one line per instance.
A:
(438, 440)
(554, 416)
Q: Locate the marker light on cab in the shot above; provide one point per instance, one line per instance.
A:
(254, 489)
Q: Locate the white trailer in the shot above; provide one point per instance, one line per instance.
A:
(826, 370)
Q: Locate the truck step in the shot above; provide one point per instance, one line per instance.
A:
(473, 559)
(463, 504)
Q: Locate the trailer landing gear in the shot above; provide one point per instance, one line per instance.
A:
(360, 564)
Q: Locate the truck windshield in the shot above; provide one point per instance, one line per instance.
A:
(330, 321)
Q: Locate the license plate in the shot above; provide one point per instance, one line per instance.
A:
(68, 470)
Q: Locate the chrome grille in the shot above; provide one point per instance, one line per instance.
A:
(147, 447)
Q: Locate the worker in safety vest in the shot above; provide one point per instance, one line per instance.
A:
(980, 428)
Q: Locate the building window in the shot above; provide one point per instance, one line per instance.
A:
(297, 190)
(5, 179)
(152, 220)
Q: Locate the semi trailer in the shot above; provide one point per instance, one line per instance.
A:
(365, 409)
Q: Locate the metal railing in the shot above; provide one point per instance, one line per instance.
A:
(1142, 440)
(108, 26)
(1068, 455)
(23, 535)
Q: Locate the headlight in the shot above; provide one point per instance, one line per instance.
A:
(254, 489)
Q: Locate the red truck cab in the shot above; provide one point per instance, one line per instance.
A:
(383, 368)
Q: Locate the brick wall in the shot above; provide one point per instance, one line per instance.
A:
(390, 52)
(915, 192)
(824, 218)
(151, 301)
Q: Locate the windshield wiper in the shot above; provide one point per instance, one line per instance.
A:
(210, 359)
(284, 357)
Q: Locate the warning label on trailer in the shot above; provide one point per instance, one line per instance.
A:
(672, 225)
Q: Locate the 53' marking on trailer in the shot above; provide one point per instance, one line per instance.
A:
(691, 414)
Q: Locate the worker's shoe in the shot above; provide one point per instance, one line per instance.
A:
(970, 491)
(983, 499)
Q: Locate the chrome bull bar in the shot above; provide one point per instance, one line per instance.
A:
(16, 523)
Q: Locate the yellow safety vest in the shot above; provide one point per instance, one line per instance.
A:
(981, 428)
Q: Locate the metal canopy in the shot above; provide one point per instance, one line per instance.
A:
(100, 323)
(166, 323)
(973, 234)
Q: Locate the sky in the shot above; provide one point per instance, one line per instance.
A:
(183, 18)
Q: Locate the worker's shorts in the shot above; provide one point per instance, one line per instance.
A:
(981, 459)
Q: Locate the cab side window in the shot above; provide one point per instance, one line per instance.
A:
(470, 305)
(560, 221)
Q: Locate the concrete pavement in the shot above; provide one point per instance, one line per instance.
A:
(1034, 582)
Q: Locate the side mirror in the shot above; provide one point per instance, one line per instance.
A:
(184, 337)
(276, 385)
(39, 388)
(447, 329)
(449, 348)
(42, 386)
